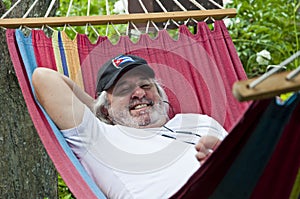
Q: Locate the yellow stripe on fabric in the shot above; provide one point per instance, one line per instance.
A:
(296, 188)
(56, 50)
(72, 58)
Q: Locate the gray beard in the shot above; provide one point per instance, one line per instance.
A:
(154, 117)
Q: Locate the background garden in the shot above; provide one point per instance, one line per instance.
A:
(264, 32)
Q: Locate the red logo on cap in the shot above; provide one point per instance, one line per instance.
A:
(118, 61)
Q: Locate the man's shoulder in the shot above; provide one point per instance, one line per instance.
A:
(199, 121)
(192, 116)
(89, 121)
(194, 119)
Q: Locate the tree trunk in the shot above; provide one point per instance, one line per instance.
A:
(26, 169)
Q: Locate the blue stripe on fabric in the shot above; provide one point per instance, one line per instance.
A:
(28, 57)
(62, 55)
(27, 53)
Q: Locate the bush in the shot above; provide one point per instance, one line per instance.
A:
(265, 26)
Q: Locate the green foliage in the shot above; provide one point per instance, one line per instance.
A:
(270, 25)
(63, 190)
(7, 3)
(80, 8)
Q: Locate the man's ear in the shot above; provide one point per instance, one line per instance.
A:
(104, 111)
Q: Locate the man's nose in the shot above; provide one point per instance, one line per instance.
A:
(138, 93)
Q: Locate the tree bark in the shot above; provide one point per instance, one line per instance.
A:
(26, 169)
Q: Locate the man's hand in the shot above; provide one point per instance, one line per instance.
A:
(205, 146)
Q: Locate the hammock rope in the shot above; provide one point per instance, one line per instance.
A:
(216, 4)
(50, 8)
(270, 84)
(10, 9)
(165, 10)
(30, 9)
(274, 70)
(198, 5)
(128, 18)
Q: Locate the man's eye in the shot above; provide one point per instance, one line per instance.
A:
(124, 90)
(146, 86)
(121, 91)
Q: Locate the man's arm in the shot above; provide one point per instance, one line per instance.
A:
(62, 99)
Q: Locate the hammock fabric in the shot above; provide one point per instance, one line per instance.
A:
(258, 159)
(197, 71)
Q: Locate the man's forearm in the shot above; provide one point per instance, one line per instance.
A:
(62, 99)
(79, 93)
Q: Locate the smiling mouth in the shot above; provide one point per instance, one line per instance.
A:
(140, 106)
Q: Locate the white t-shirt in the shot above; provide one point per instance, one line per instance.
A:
(140, 163)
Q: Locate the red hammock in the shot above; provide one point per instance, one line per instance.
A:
(197, 72)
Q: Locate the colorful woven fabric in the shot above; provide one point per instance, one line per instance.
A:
(197, 71)
(24, 60)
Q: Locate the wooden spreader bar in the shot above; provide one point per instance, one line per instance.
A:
(274, 85)
(38, 22)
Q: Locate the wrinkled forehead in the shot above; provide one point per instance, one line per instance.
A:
(131, 77)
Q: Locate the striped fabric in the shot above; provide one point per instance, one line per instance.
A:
(59, 59)
(197, 71)
(21, 49)
(66, 57)
(72, 59)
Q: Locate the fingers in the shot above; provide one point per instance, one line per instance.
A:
(200, 156)
(201, 147)
(210, 142)
(207, 142)
(203, 152)
(205, 147)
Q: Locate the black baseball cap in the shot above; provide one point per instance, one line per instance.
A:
(114, 68)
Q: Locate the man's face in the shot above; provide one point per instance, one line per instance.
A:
(135, 102)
